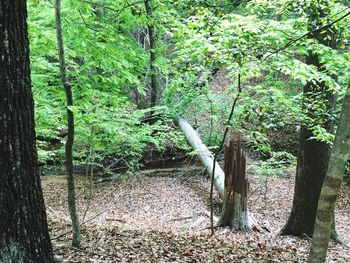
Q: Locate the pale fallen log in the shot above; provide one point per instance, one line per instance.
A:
(203, 154)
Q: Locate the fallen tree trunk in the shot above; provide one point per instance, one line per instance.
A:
(207, 160)
(203, 154)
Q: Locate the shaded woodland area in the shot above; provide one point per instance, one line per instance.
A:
(174, 131)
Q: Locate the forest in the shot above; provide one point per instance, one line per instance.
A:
(174, 131)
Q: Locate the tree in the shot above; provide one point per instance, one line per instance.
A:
(24, 233)
(70, 135)
(331, 185)
(152, 53)
(313, 155)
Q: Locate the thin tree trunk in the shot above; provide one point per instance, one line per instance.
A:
(24, 235)
(331, 186)
(152, 53)
(70, 136)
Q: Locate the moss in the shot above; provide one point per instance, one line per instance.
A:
(12, 252)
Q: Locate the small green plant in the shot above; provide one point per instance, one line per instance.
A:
(275, 166)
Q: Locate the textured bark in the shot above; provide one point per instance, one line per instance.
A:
(152, 53)
(235, 212)
(70, 135)
(331, 186)
(24, 233)
(313, 156)
(207, 160)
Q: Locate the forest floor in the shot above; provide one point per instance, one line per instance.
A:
(165, 219)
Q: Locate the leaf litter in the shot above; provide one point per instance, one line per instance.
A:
(166, 219)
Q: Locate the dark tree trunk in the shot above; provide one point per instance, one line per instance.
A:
(70, 135)
(24, 233)
(312, 166)
(152, 53)
(313, 156)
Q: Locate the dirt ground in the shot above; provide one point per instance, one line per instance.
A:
(166, 219)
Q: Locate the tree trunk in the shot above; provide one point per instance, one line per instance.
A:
(331, 186)
(207, 160)
(152, 53)
(235, 212)
(313, 156)
(70, 135)
(203, 154)
(24, 233)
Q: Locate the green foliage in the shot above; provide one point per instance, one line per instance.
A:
(275, 166)
(107, 64)
(245, 41)
(201, 48)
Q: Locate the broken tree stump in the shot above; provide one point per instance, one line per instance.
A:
(235, 212)
(206, 157)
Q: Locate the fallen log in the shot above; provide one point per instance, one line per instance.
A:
(203, 154)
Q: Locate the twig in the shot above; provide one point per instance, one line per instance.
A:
(88, 220)
(115, 219)
(234, 4)
(342, 211)
(179, 219)
(84, 21)
(118, 11)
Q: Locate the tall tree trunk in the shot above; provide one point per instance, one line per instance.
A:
(313, 156)
(152, 53)
(331, 186)
(70, 135)
(24, 233)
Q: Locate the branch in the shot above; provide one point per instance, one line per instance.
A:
(118, 11)
(227, 5)
(234, 5)
(84, 21)
(325, 27)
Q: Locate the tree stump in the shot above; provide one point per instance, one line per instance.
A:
(235, 211)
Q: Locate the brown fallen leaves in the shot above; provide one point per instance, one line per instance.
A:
(162, 219)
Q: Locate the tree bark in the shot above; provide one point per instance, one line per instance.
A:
(207, 160)
(70, 135)
(331, 186)
(203, 154)
(152, 53)
(24, 233)
(313, 156)
(235, 213)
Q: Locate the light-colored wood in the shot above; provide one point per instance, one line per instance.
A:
(203, 154)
